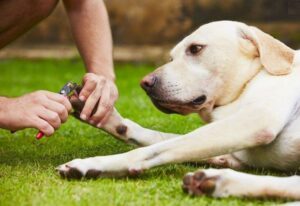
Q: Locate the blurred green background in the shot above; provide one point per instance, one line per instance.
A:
(163, 23)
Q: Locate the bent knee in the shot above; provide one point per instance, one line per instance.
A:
(264, 137)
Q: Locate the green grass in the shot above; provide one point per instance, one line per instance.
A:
(27, 175)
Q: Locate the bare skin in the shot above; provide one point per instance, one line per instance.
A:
(43, 110)
(94, 43)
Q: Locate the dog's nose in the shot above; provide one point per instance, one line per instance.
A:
(148, 82)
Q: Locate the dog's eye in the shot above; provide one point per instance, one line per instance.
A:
(194, 49)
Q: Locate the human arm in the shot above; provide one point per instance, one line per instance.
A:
(42, 110)
(91, 31)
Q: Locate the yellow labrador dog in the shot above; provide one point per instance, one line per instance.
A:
(246, 85)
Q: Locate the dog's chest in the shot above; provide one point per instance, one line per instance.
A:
(283, 153)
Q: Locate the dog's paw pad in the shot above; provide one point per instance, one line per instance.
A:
(199, 183)
(135, 172)
(93, 174)
(121, 129)
(68, 172)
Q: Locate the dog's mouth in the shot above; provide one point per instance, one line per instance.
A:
(179, 107)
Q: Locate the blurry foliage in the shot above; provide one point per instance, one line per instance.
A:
(167, 21)
(148, 21)
(242, 10)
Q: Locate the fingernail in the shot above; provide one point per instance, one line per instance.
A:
(82, 98)
(99, 125)
(83, 117)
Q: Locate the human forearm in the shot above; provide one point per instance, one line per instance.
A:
(2, 112)
(91, 31)
(90, 27)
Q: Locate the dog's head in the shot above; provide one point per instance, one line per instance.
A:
(211, 67)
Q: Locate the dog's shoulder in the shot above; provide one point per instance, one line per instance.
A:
(264, 88)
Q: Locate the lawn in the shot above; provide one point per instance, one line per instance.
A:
(27, 175)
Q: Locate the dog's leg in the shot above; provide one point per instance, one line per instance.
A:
(125, 129)
(227, 182)
(133, 133)
(130, 132)
(222, 137)
(226, 161)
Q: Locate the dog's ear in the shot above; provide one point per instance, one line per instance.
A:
(276, 57)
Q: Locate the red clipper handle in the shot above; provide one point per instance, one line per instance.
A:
(39, 135)
(65, 91)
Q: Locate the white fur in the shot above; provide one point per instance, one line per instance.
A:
(254, 115)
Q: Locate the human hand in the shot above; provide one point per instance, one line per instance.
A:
(42, 110)
(99, 94)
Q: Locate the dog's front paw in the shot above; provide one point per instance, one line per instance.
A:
(96, 167)
(76, 169)
(81, 168)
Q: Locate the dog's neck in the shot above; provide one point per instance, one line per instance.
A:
(238, 81)
(233, 88)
